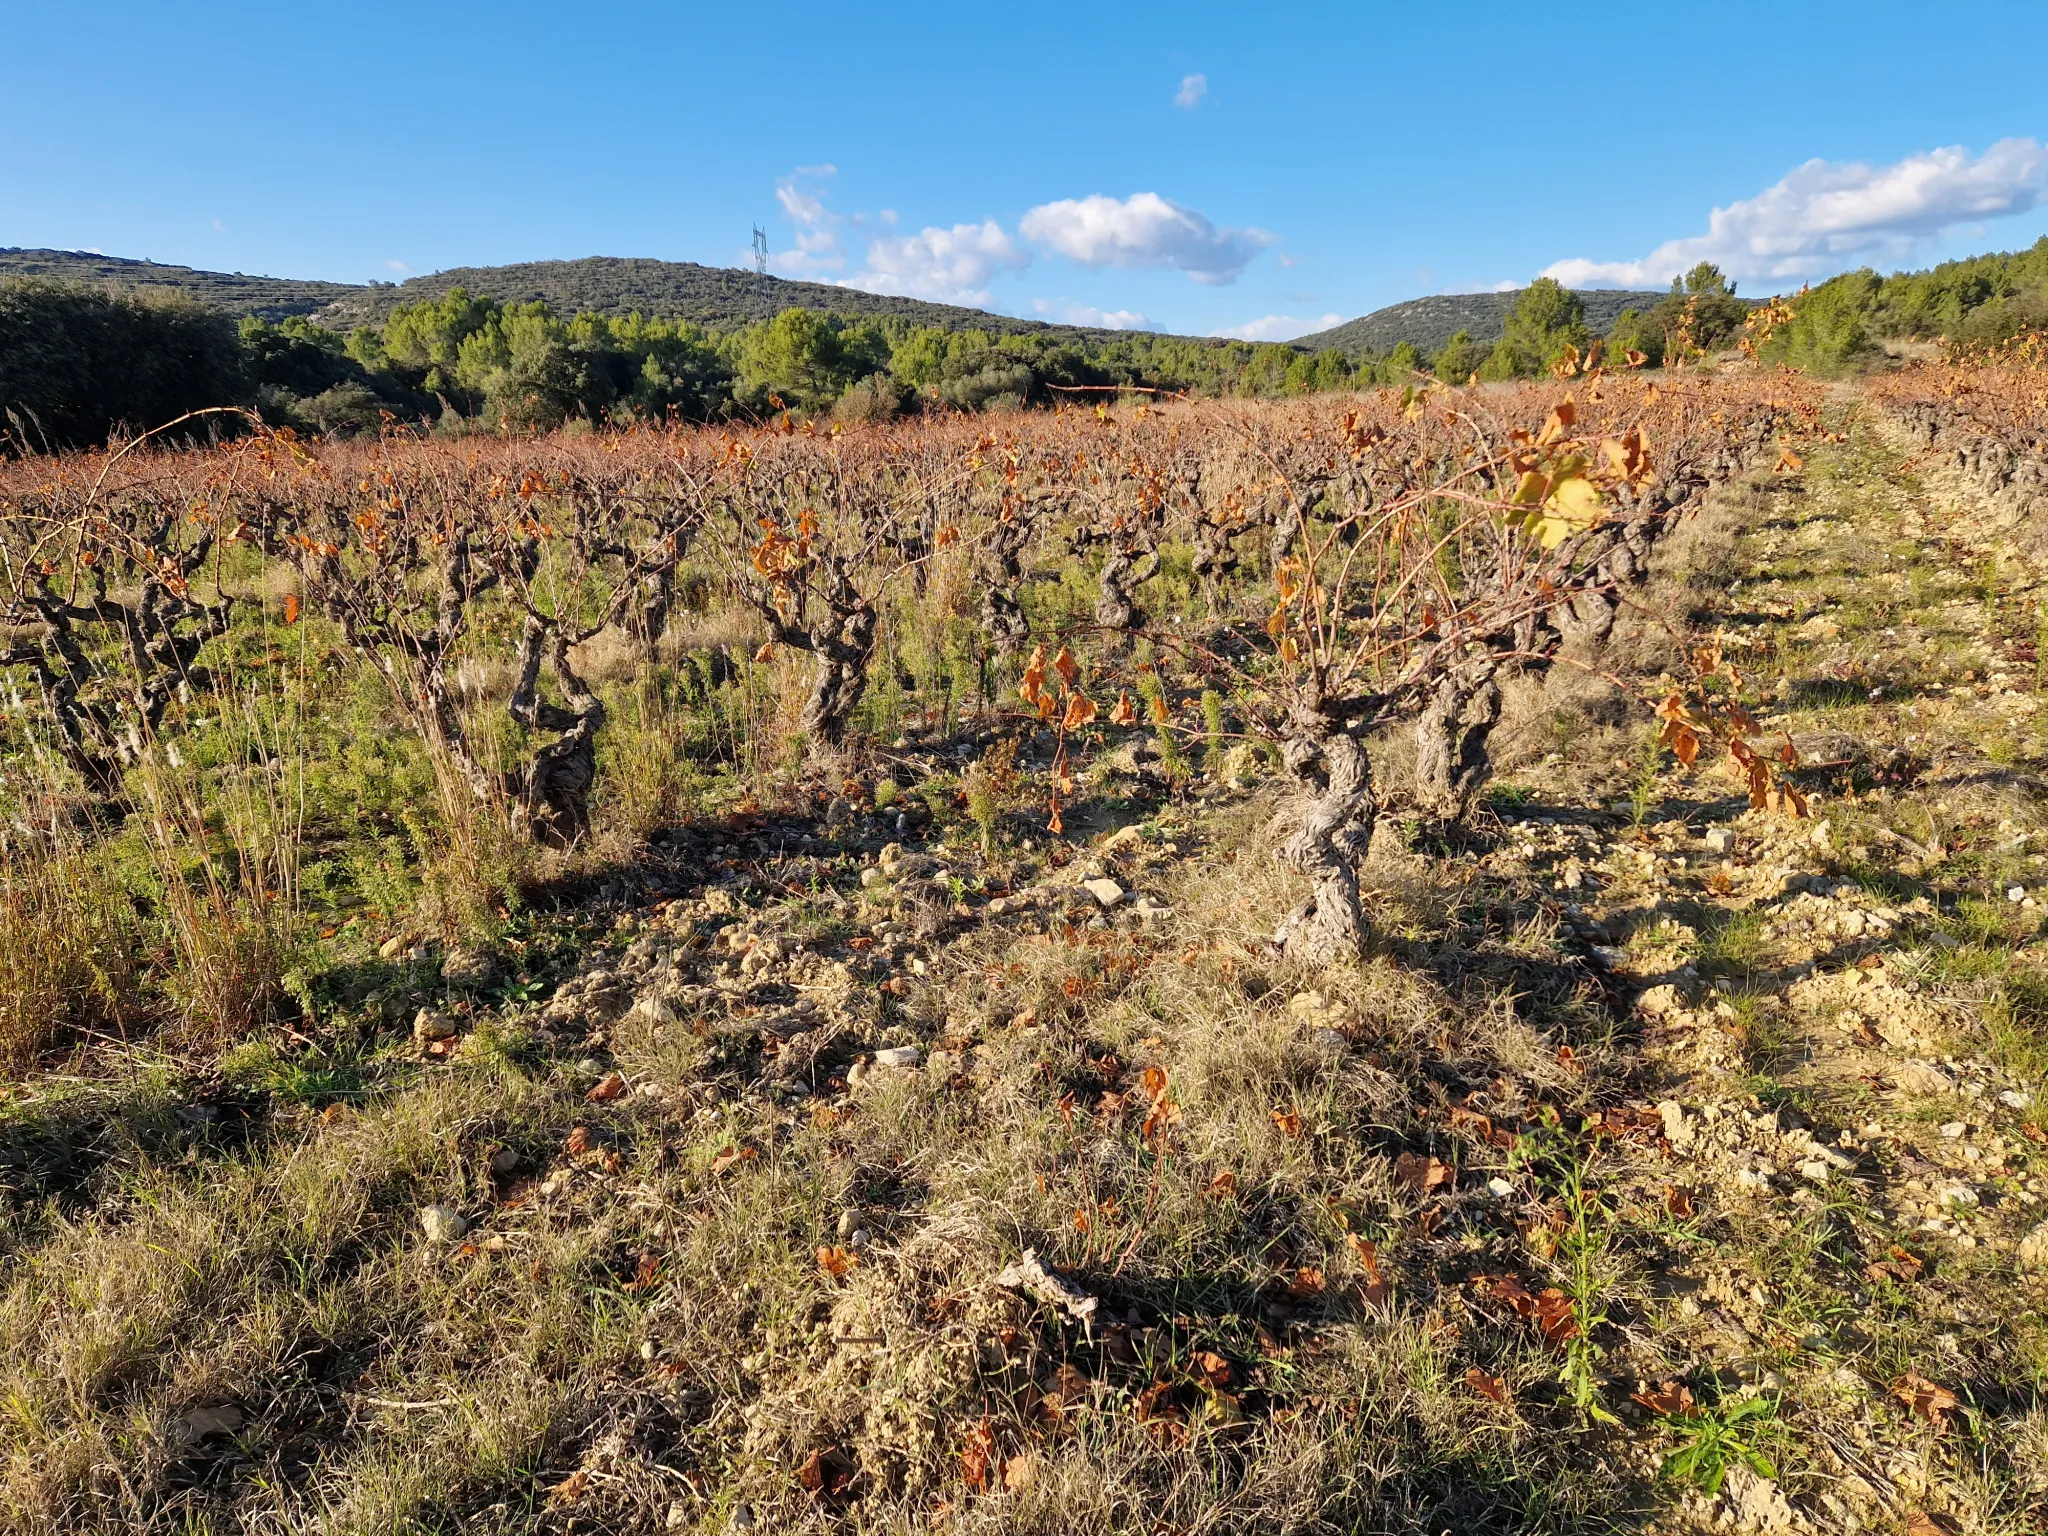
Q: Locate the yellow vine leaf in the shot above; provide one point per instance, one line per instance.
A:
(1574, 505)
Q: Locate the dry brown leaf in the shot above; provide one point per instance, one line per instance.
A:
(1929, 1400)
(610, 1087)
(1921, 1522)
(1420, 1173)
(1492, 1388)
(1213, 1368)
(1667, 1398)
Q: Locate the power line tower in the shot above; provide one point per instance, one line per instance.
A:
(760, 257)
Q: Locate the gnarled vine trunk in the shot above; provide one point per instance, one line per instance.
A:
(1451, 738)
(1126, 569)
(1327, 758)
(555, 796)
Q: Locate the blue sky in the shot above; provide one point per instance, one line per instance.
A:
(1194, 167)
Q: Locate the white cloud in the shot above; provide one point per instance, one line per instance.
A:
(220, 226)
(1506, 285)
(1277, 328)
(1088, 314)
(397, 266)
(1192, 89)
(817, 247)
(951, 266)
(1825, 217)
(1144, 230)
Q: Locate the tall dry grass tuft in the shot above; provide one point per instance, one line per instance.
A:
(483, 859)
(647, 779)
(229, 877)
(67, 934)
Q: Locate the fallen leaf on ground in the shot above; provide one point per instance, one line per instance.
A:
(1213, 1368)
(1420, 1173)
(1929, 1400)
(1492, 1388)
(732, 1155)
(1668, 1398)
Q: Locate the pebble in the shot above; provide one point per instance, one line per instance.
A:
(504, 1161)
(1105, 891)
(900, 1056)
(1500, 1188)
(443, 1223)
(471, 970)
(429, 1025)
(2033, 1249)
(1719, 840)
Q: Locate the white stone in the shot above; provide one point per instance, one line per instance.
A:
(428, 1025)
(2033, 1249)
(1105, 890)
(1677, 1130)
(1719, 840)
(898, 1056)
(443, 1223)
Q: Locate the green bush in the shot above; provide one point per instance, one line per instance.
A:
(78, 363)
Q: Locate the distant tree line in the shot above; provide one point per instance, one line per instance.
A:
(78, 361)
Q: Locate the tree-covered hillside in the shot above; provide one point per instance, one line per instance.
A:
(232, 293)
(1428, 323)
(716, 298)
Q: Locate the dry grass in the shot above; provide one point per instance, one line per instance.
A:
(66, 942)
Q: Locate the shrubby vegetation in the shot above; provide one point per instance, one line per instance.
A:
(81, 362)
(1839, 326)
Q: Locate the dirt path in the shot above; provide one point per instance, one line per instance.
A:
(1845, 1019)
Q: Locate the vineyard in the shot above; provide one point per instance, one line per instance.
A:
(1441, 959)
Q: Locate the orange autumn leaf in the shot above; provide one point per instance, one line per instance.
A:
(837, 1262)
(1289, 1122)
(1668, 1398)
(1927, 1399)
(1492, 1388)
(1034, 676)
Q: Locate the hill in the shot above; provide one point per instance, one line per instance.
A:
(1427, 323)
(717, 298)
(272, 298)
